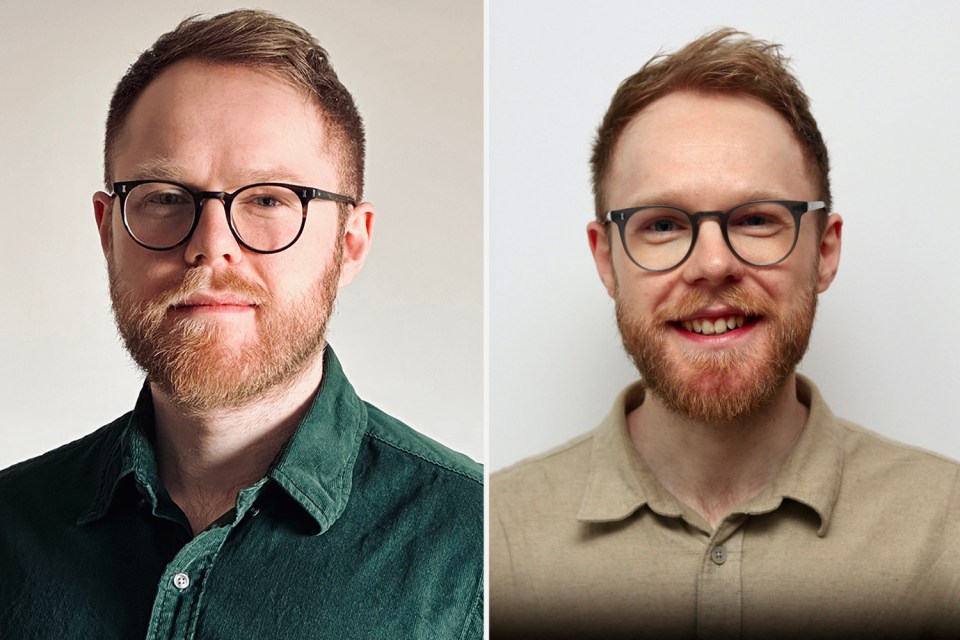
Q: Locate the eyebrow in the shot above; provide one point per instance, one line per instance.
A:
(275, 174)
(163, 168)
(159, 168)
(681, 198)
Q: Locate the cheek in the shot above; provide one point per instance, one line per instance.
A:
(787, 287)
(640, 292)
(144, 273)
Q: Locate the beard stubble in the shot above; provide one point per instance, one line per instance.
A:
(192, 359)
(718, 386)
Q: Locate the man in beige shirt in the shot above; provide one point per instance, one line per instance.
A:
(720, 497)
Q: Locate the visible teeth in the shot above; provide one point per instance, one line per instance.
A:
(714, 327)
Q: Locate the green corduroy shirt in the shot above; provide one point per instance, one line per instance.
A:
(362, 528)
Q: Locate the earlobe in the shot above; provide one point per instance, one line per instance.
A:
(103, 214)
(357, 235)
(830, 244)
(600, 248)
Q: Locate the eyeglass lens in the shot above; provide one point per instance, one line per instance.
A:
(161, 215)
(660, 238)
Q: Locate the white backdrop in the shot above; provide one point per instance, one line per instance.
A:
(409, 330)
(884, 88)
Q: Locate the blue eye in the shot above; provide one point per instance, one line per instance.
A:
(266, 201)
(168, 198)
(662, 226)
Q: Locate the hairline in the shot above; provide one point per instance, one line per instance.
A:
(810, 164)
(332, 142)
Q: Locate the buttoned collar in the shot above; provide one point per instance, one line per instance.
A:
(315, 468)
(619, 483)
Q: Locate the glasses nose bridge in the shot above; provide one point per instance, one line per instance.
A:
(224, 198)
(721, 219)
(702, 216)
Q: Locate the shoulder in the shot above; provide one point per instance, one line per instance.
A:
(554, 475)
(880, 461)
(421, 491)
(63, 481)
(394, 434)
(547, 487)
(907, 502)
(82, 458)
(564, 463)
(429, 497)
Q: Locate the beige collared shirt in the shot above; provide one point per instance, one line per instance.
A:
(856, 536)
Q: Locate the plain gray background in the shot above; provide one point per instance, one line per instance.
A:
(409, 330)
(884, 89)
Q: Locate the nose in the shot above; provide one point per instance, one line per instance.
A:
(212, 241)
(712, 261)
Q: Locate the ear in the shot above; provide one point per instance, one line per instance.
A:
(829, 252)
(103, 214)
(600, 241)
(357, 234)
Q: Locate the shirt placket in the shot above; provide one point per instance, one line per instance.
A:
(176, 607)
(719, 590)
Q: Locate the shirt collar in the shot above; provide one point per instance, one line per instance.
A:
(315, 468)
(130, 456)
(618, 483)
(812, 472)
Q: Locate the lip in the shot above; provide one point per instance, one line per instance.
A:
(212, 302)
(712, 313)
(721, 340)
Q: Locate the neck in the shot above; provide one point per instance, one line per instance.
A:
(719, 466)
(205, 457)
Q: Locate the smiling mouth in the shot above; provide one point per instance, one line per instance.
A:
(716, 326)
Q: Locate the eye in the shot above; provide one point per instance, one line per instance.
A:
(754, 220)
(265, 201)
(662, 226)
(760, 219)
(657, 224)
(267, 197)
(167, 198)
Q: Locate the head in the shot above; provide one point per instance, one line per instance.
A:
(254, 40)
(717, 124)
(725, 62)
(216, 105)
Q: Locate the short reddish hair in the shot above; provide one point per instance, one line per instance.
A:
(262, 41)
(722, 61)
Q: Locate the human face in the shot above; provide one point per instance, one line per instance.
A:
(213, 324)
(709, 152)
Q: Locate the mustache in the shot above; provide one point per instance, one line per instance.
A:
(202, 279)
(692, 301)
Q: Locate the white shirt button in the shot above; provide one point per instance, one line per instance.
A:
(181, 581)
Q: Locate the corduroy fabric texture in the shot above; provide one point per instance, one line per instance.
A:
(362, 528)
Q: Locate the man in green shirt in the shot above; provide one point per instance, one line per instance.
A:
(250, 493)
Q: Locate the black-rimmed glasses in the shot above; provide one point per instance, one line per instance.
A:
(761, 233)
(267, 217)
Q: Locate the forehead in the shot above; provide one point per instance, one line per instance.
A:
(707, 150)
(197, 117)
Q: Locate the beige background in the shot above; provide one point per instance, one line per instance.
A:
(409, 330)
